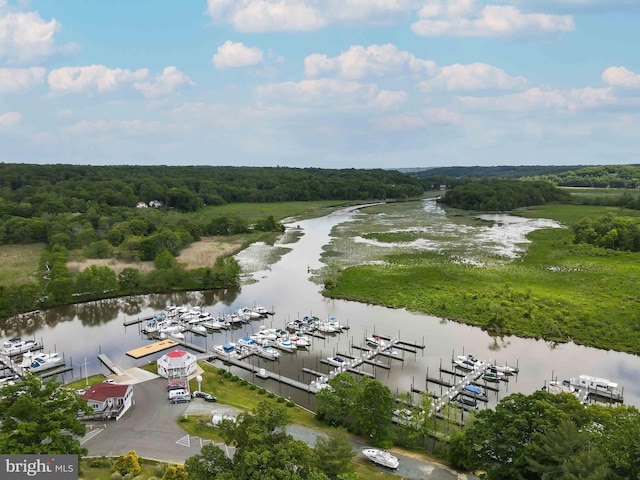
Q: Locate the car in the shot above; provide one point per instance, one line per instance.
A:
(207, 397)
(179, 385)
(110, 381)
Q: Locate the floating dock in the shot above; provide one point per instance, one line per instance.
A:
(151, 348)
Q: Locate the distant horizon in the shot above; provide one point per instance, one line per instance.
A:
(320, 83)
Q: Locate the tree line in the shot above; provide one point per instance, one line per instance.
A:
(35, 190)
(609, 231)
(548, 436)
(502, 195)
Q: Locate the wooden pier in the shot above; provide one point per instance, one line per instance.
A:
(151, 348)
(106, 361)
(133, 321)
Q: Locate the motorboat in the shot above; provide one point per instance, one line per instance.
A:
(336, 361)
(225, 350)
(381, 457)
(176, 335)
(17, 346)
(465, 364)
(285, 344)
(260, 310)
(506, 369)
(494, 377)
(247, 313)
(40, 363)
(597, 386)
(268, 352)
(199, 329)
(467, 403)
(375, 342)
(474, 392)
(300, 341)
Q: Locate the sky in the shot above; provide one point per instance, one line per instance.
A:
(320, 83)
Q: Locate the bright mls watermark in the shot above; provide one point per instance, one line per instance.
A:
(39, 467)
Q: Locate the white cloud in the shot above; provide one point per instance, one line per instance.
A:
(10, 118)
(164, 84)
(14, 80)
(536, 98)
(386, 99)
(621, 77)
(305, 15)
(128, 127)
(319, 91)
(92, 78)
(359, 62)
(26, 36)
(475, 76)
(236, 54)
(468, 18)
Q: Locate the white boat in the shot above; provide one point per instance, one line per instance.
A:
(176, 335)
(375, 341)
(225, 350)
(16, 346)
(247, 313)
(268, 352)
(598, 386)
(327, 327)
(285, 344)
(39, 363)
(199, 329)
(506, 369)
(337, 361)
(381, 457)
(300, 341)
(465, 364)
(212, 324)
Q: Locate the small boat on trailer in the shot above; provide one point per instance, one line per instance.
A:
(381, 457)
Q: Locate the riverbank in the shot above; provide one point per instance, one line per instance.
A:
(556, 290)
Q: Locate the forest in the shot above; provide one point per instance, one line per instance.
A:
(150, 214)
(502, 195)
(609, 231)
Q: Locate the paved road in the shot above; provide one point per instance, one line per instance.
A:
(151, 429)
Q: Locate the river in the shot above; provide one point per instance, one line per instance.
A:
(284, 278)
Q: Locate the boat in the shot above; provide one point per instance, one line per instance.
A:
(247, 313)
(473, 391)
(465, 364)
(41, 362)
(268, 352)
(375, 342)
(199, 329)
(17, 346)
(506, 369)
(337, 361)
(494, 377)
(285, 344)
(225, 350)
(597, 386)
(381, 457)
(467, 404)
(300, 341)
(260, 310)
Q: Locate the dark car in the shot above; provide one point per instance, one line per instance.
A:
(207, 397)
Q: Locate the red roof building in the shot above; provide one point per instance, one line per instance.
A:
(108, 400)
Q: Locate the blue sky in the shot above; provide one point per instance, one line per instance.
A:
(321, 83)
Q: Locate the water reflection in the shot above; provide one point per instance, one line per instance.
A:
(290, 286)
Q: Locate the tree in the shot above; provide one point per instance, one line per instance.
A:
(40, 417)
(210, 462)
(175, 472)
(373, 412)
(128, 463)
(164, 260)
(263, 450)
(333, 454)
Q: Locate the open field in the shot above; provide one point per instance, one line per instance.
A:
(558, 291)
(19, 263)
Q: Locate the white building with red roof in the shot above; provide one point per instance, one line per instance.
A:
(177, 363)
(108, 400)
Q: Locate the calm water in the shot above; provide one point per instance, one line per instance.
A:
(284, 278)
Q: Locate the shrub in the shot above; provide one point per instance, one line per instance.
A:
(235, 378)
(252, 387)
(244, 383)
(281, 400)
(291, 403)
(262, 391)
(228, 375)
(271, 395)
(221, 371)
(116, 476)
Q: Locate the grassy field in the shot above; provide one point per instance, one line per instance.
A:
(558, 291)
(19, 263)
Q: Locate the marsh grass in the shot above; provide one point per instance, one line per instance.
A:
(19, 263)
(558, 291)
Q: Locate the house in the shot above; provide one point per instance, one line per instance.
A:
(108, 400)
(177, 363)
(142, 205)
